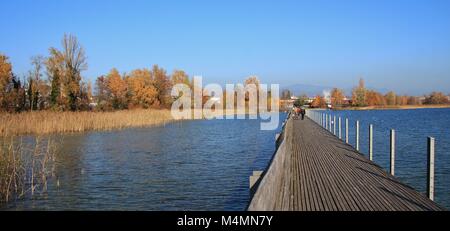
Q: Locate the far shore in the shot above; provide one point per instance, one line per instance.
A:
(397, 107)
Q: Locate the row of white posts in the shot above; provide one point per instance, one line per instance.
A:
(328, 122)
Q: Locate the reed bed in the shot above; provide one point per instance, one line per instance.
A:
(47, 122)
(24, 168)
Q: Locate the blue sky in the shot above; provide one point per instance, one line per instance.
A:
(393, 44)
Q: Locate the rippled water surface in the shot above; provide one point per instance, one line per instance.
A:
(189, 165)
(205, 165)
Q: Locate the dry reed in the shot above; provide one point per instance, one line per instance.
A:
(47, 122)
(24, 168)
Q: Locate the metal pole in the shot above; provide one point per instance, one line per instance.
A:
(340, 128)
(323, 120)
(331, 122)
(371, 142)
(326, 122)
(334, 125)
(346, 130)
(430, 172)
(392, 152)
(357, 135)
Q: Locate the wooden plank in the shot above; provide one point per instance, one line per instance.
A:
(317, 171)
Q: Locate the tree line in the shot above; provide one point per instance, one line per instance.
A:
(63, 89)
(362, 97)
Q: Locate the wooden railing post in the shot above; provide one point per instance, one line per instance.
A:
(392, 152)
(323, 120)
(331, 122)
(334, 125)
(346, 130)
(357, 136)
(340, 128)
(371, 142)
(430, 172)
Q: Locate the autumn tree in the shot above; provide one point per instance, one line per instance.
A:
(55, 72)
(141, 91)
(302, 100)
(413, 100)
(162, 85)
(65, 69)
(253, 80)
(359, 94)
(37, 87)
(391, 98)
(84, 100)
(117, 89)
(437, 98)
(401, 100)
(180, 77)
(318, 102)
(337, 97)
(102, 93)
(6, 77)
(375, 98)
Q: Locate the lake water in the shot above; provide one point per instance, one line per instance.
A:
(412, 129)
(189, 165)
(205, 165)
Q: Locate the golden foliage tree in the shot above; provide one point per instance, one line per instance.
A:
(65, 67)
(141, 91)
(180, 77)
(437, 98)
(319, 102)
(337, 97)
(359, 94)
(391, 98)
(6, 76)
(117, 89)
(163, 85)
(375, 99)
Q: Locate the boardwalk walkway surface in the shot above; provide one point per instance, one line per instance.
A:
(315, 171)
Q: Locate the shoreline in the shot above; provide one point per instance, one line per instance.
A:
(405, 107)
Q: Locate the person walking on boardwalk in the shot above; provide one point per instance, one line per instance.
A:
(303, 112)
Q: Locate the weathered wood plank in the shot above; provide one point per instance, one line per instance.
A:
(316, 171)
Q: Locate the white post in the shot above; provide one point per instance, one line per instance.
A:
(334, 125)
(326, 122)
(371, 142)
(340, 128)
(430, 172)
(392, 152)
(331, 122)
(346, 130)
(357, 135)
(321, 119)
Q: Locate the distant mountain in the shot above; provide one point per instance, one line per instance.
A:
(310, 90)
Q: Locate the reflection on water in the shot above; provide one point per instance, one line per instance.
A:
(189, 165)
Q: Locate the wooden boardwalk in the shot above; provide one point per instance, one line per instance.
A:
(315, 171)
